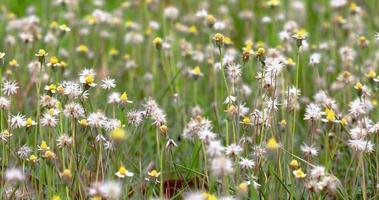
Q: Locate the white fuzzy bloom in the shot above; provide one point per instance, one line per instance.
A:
(317, 172)
(171, 12)
(246, 163)
(73, 110)
(201, 13)
(72, 89)
(135, 118)
(233, 150)
(360, 107)
(315, 59)
(114, 98)
(108, 83)
(111, 189)
(10, 88)
(17, 121)
(206, 135)
(14, 175)
(194, 196)
(215, 148)
(312, 112)
(338, 3)
(230, 100)
(358, 133)
(49, 120)
(234, 72)
(361, 145)
(4, 103)
(111, 124)
(310, 150)
(96, 119)
(221, 166)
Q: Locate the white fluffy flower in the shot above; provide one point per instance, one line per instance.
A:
(111, 190)
(312, 112)
(221, 166)
(14, 175)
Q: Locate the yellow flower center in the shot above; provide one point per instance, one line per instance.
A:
(118, 134)
(153, 173)
(122, 170)
(272, 144)
(89, 79)
(330, 114)
(124, 97)
(29, 122)
(44, 146)
(196, 70)
(246, 120)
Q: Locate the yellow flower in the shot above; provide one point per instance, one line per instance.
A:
(113, 52)
(358, 86)
(13, 63)
(340, 20)
(124, 98)
(371, 74)
(157, 42)
(246, 120)
(344, 122)
(89, 79)
(294, 164)
(41, 53)
(300, 34)
(196, 71)
(208, 196)
(43, 146)
(227, 41)
(272, 144)
(192, 29)
(82, 49)
(64, 28)
(60, 89)
(91, 20)
(32, 158)
(290, 62)
(362, 41)
(283, 123)
(273, 3)
(51, 88)
(53, 62)
(49, 155)
(55, 197)
(249, 44)
(299, 173)
(260, 52)
(210, 20)
(29, 122)
(118, 134)
(54, 25)
(83, 122)
(122, 172)
(243, 187)
(330, 114)
(96, 198)
(218, 38)
(153, 173)
(66, 174)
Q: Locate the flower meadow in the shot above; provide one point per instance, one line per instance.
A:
(189, 99)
